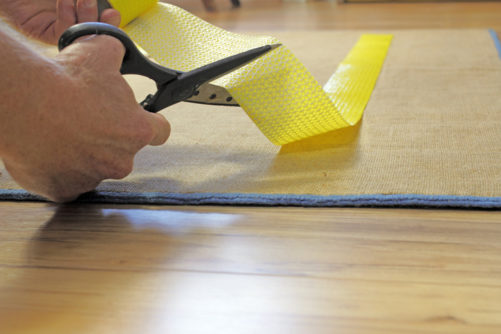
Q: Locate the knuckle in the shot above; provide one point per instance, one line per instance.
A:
(60, 193)
(99, 45)
(113, 45)
(144, 134)
(121, 169)
(73, 56)
(62, 198)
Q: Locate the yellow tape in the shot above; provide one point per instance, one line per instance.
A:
(276, 91)
(130, 9)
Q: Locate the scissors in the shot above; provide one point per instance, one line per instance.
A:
(172, 86)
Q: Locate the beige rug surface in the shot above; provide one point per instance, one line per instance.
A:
(432, 127)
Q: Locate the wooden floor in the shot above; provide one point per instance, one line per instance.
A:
(266, 15)
(136, 269)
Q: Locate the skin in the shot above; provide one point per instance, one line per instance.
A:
(46, 20)
(67, 123)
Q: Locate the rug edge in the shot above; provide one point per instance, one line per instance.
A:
(268, 200)
(495, 39)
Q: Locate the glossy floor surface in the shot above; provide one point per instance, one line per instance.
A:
(267, 15)
(136, 269)
(130, 269)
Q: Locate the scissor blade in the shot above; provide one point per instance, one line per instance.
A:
(187, 84)
(199, 78)
(212, 94)
(210, 72)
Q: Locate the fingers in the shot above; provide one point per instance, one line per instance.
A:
(111, 16)
(161, 128)
(110, 50)
(87, 10)
(70, 13)
(104, 54)
(66, 16)
(99, 53)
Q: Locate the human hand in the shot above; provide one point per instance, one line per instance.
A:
(46, 20)
(84, 125)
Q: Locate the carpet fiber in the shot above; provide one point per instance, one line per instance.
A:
(430, 137)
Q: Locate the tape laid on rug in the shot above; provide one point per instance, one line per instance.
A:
(276, 91)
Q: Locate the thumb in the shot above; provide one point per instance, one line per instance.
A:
(161, 128)
(100, 52)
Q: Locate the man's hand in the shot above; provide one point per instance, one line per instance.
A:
(77, 125)
(46, 20)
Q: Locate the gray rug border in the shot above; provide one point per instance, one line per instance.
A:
(268, 200)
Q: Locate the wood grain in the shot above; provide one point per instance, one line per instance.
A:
(266, 15)
(137, 269)
(129, 269)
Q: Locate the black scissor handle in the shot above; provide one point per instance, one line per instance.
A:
(134, 61)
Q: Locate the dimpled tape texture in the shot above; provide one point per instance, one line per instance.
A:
(277, 92)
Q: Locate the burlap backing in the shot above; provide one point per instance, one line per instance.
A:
(432, 127)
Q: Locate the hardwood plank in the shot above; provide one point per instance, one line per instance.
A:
(106, 269)
(266, 15)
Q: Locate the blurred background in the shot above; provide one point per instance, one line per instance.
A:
(263, 15)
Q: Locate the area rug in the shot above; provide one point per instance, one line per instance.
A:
(430, 137)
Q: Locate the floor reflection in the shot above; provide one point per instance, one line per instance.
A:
(170, 221)
(91, 263)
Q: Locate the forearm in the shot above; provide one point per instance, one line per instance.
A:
(26, 78)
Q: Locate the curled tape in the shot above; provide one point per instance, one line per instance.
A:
(277, 92)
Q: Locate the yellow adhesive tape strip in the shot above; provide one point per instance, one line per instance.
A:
(131, 9)
(276, 91)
